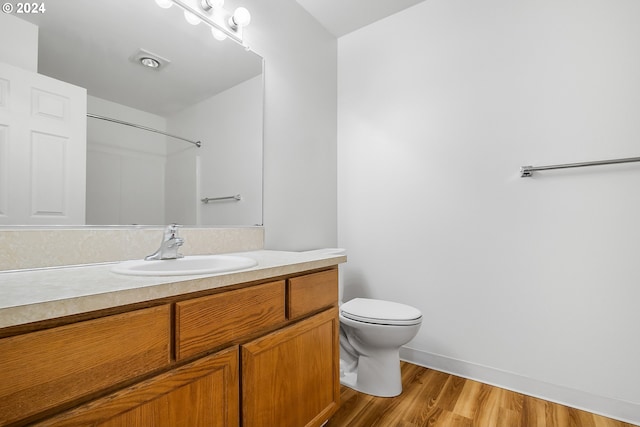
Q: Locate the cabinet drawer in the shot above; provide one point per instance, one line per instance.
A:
(44, 369)
(208, 322)
(312, 292)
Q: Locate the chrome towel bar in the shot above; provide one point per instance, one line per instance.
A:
(120, 122)
(215, 199)
(526, 171)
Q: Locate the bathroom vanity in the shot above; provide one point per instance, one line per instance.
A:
(257, 347)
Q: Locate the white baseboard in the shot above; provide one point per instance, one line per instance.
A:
(613, 408)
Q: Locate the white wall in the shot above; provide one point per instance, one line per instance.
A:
(529, 283)
(229, 125)
(299, 124)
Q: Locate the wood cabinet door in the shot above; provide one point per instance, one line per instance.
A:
(204, 393)
(290, 378)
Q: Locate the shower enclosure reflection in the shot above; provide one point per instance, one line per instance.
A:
(139, 177)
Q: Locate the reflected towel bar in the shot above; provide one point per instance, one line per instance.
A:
(109, 119)
(526, 171)
(215, 199)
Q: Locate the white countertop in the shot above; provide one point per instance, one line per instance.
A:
(34, 295)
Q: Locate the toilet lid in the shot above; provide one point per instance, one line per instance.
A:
(380, 312)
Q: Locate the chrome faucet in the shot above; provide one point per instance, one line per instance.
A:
(169, 246)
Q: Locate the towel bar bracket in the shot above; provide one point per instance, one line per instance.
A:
(525, 171)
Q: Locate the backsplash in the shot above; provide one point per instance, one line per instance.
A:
(46, 247)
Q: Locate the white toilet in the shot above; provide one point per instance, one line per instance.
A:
(371, 334)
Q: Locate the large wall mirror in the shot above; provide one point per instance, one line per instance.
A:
(205, 90)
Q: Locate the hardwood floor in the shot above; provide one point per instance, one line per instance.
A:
(433, 398)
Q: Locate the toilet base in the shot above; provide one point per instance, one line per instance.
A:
(378, 376)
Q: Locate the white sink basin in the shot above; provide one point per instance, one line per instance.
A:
(197, 264)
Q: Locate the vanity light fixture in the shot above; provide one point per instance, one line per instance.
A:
(222, 22)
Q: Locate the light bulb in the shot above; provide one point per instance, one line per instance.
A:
(241, 18)
(191, 18)
(217, 34)
(211, 4)
(165, 4)
(150, 62)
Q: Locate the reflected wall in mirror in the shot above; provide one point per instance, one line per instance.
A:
(207, 90)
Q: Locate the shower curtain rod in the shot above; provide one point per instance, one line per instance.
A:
(526, 171)
(109, 119)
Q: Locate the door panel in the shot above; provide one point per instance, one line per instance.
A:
(43, 149)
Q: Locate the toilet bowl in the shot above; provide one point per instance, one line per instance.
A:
(371, 334)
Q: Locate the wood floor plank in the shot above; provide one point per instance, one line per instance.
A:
(534, 412)
(489, 402)
(558, 415)
(451, 392)
(436, 399)
(424, 407)
(467, 404)
(446, 418)
(582, 418)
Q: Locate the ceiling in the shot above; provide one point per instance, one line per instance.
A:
(340, 17)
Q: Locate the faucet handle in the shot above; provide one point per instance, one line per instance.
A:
(171, 231)
(169, 246)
